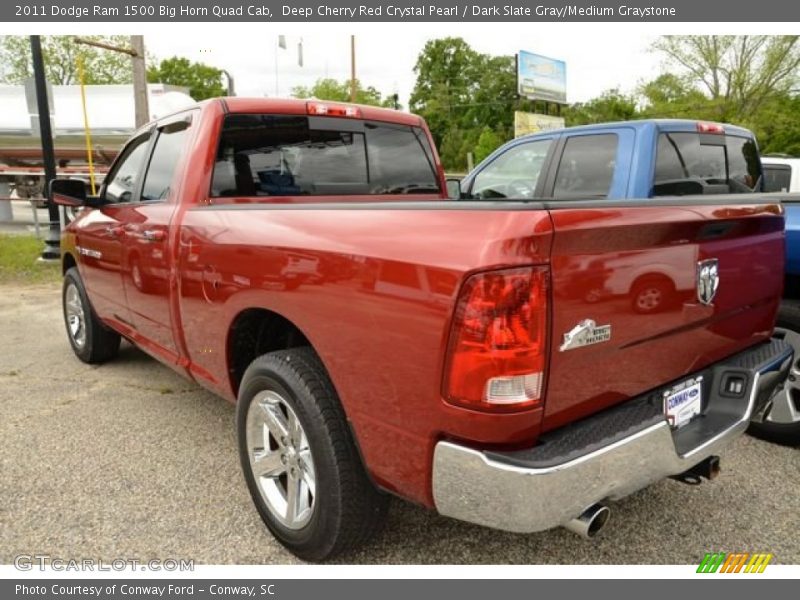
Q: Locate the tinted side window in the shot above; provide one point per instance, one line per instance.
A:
(169, 145)
(275, 155)
(777, 178)
(122, 182)
(695, 163)
(587, 166)
(513, 174)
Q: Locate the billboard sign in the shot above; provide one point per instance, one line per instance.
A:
(525, 123)
(541, 78)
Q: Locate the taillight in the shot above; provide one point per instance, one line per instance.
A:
(496, 352)
(332, 110)
(710, 128)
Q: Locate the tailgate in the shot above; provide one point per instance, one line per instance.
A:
(636, 269)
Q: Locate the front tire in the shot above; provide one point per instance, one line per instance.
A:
(91, 341)
(299, 461)
(781, 422)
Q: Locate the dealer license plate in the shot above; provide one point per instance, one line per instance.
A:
(683, 402)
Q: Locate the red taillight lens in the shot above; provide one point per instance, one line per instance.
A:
(332, 110)
(496, 353)
(710, 128)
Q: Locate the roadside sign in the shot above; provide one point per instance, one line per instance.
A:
(525, 123)
(541, 78)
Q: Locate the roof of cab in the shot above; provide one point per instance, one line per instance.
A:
(643, 124)
(294, 106)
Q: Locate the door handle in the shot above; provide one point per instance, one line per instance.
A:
(154, 235)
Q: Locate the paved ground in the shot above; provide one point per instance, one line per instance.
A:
(130, 460)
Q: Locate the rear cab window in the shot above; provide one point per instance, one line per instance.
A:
(295, 155)
(706, 163)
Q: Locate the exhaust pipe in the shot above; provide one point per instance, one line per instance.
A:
(590, 522)
(707, 469)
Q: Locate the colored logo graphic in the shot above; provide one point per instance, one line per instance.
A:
(736, 562)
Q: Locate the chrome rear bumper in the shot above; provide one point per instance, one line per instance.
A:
(522, 492)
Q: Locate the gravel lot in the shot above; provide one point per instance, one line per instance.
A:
(130, 460)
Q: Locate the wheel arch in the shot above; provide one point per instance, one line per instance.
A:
(255, 331)
(67, 262)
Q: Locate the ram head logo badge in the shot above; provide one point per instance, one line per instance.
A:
(707, 280)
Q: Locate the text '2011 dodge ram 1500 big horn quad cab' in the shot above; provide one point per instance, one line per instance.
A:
(301, 259)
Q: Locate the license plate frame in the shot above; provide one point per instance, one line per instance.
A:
(683, 402)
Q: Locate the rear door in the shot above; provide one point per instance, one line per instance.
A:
(635, 275)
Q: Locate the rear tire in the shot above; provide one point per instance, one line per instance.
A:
(339, 508)
(781, 423)
(91, 341)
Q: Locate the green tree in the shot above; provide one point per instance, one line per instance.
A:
(447, 79)
(777, 126)
(611, 105)
(460, 93)
(339, 91)
(202, 80)
(61, 55)
(674, 97)
(488, 142)
(737, 73)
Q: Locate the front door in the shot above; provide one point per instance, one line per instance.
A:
(147, 246)
(100, 233)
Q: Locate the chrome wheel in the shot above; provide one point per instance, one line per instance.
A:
(784, 406)
(76, 318)
(280, 459)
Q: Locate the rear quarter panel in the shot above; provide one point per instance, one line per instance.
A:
(377, 310)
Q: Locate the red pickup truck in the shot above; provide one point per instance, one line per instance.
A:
(302, 260)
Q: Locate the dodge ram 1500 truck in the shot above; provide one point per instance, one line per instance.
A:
(302, 260)
(782, 174)
(654, 159)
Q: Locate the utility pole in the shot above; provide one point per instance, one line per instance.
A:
(52, 241)
(352, 68)
(136, 52)
(231, 88)
(139, 81)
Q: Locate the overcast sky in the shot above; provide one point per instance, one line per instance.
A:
(385, 58)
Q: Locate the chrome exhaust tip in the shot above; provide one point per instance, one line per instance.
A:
(590, 522)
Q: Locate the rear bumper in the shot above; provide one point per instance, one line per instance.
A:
(604, 457)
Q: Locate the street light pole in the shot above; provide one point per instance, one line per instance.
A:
(52, 241)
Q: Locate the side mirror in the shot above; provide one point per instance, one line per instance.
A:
(68, 192)
(453, 188)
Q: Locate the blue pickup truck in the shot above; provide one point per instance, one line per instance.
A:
(782, 174)
(648, 159)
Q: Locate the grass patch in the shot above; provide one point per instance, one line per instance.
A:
(18, 260)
